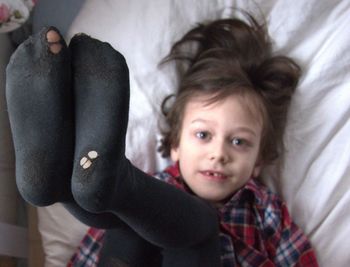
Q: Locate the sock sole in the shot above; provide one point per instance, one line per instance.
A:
(40, 107)
(101, 87)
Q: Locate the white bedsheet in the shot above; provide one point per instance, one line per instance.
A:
(315, 179)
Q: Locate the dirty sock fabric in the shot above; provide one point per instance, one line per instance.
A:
(40, 106)
(184, 226)
(39, 100)
(202, 254)
(101, 88)
(102, 220)
(104, 180)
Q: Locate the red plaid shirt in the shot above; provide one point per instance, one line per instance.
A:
(255, 230)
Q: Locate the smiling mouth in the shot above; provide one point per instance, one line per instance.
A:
(215, 176)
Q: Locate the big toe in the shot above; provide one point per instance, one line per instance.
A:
(54, 40)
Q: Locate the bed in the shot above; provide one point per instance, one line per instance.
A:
(314, 176)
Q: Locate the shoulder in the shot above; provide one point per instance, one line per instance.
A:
(88, 251)
(168, 174)
(256, 206)
(265, 199)
(273, 211)
(286, 241)
(171, 175)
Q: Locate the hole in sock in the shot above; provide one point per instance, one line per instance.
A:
(53, 39)
(93, 154)
(86, 162)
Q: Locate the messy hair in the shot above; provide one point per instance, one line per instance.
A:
(232, 57)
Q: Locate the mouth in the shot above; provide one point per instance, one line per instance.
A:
(214, 175)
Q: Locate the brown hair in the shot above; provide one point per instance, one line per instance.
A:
(232, 56)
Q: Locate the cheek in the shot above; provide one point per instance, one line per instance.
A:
(253, 169)
(246, 165)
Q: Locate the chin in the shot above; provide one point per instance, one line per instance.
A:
(211, 194)
(213, 198)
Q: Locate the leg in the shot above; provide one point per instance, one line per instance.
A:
(39, 99)
(183, 225)
(105, 180)
(203, 255)
(123, 247)
(102, 220)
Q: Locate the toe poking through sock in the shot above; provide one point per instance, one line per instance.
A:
(54, 40)
(55, 48)
(86, 161)
(53, 36)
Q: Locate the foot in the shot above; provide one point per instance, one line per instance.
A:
(40, 107)
(101, 86)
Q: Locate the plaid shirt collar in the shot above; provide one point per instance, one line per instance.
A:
(250, 193)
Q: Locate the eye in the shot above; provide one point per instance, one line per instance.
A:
(202, 135)
(238, 142)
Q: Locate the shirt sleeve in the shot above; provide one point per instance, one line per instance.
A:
(291, 245)
(87, 254)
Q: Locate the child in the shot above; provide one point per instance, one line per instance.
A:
(225, 125)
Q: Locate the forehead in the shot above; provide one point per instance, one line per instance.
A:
(241, 107)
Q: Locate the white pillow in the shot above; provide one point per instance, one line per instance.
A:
(60, 232)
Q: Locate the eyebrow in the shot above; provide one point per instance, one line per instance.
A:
(241, 128)
(199, 121)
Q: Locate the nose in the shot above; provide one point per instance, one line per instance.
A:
(219, 152)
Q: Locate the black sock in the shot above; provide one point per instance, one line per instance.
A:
(39, 99)
(40, 103)
(123, 245)
(204, 254)
(101, 86)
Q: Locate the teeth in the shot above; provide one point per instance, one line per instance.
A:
(214, 174)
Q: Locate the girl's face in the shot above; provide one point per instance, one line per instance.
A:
(219, 147)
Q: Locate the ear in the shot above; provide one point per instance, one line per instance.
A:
(174, 154)
(257, 169)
